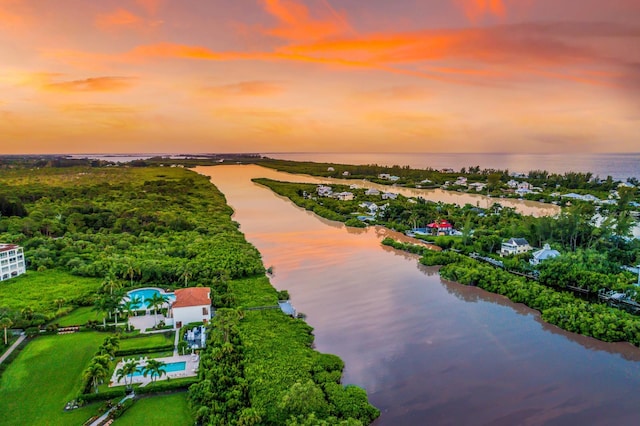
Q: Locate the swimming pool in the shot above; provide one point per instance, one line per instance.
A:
(147, 293)
(171, 367)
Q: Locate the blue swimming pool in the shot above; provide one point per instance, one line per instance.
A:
(147, 293)
(171, 367)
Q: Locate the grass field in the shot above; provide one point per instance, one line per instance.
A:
(148, 341)
(44, 377)
(80, 316)
(40, 290)
(163, 410)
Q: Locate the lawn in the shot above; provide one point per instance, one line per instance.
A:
(80, 316)
(147, 341)
(40, 290)
(169, 410)
(44, 377)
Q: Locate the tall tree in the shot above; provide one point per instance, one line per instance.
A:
(127, 370)
(5, 322)
(95, 374)
(155, 368)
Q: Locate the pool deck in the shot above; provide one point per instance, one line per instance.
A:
(192, 363)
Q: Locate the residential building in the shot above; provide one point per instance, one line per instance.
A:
(324, 191)
(192, 305)
(344, 196)
(372, 191)
(384, 176)
(461, 181)
(389, 196)
(345, 173)
(515, 246)
(479, 186)
(541, 255)
(12, 261)
(394, 178)
(331, 169)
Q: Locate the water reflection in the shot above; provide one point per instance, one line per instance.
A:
(427, 350)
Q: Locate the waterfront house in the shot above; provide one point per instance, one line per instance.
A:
(384, 176)
(441, 227)
(394, 178)
(372, 191)
(512, 183)
(515, 246)
(12, 261)
(345, 173)
(324, 191)
(192, 305)
(372, 207)
(461, 181)
(541, 255)
(389, 196)
(344, 196)
(478, 186)
(331, 169)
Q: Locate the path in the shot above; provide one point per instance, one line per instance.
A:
(175, 342)
(103, 417)
(12, 348)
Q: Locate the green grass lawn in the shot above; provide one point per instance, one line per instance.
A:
(147, 341)
(80, 316)
(44, 377)
(40, 290)
(163, 410)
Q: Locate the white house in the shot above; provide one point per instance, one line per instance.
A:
(461, 181)
(345, 173)
(324, 191)
(394, 178)
(524, 186)
(192, 305)
(541, 255)
(372, 191)
(372, 207)
(389, 196)
(384, 176)
(514, 246)
(331, 169)
(512, 183)
(12, 261)
(344, 196)
(479, 186)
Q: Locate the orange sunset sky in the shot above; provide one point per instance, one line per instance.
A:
(319, 75)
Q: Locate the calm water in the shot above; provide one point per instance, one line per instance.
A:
(618, 166)
(428, 351)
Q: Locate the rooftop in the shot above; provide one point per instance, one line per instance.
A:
(193, 296)
(7, 247)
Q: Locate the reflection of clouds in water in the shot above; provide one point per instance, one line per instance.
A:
(427, 350)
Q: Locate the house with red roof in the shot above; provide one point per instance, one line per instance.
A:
(192, 305)
(441, 227)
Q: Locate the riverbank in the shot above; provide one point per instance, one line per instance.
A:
(134, 226)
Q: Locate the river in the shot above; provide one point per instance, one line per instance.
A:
(428, 351)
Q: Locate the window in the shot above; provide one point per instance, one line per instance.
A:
(205, 311)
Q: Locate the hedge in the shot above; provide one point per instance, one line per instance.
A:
(86, 398)
(167, 385)
(136, 351)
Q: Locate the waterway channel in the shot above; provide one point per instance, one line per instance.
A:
(428, 351)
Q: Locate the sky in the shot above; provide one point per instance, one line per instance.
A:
(197, 76)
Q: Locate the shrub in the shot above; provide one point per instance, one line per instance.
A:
(167, 385)
(137, 351)
(87, 398)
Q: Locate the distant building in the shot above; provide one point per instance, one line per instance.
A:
(331, 169)
(515, 246)
(461, 181)
(344, 196)
(394, 178)
(324, 191)
(12, 261)
(546, 253)
(372, 191)
(441, 227)
(345, 173)
(192, 305)
(389, 196)
(478, 186)
(385, 176)
(512, 183)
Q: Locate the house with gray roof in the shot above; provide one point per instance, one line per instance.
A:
(515, 246)
(546, 253)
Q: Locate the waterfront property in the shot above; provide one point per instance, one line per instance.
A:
(143, 295)
(12, 261)
(546, 253)
(515, 246)
(191, 305)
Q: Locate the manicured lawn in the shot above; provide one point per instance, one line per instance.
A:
(40, 290)
(148, 341)
(80, 316)
(44, 377)
(163, 410)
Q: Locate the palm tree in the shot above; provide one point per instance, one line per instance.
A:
(5, 323)
(128, 369)
(156, 301)
(101, 304)
(110, 283)
(110, 346)
(60, 301)
(182, 346)
(130, 307)
(131, 269)
(95, 374)
(186, 273)
(155, 368)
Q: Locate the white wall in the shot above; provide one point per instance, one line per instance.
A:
(191, 314)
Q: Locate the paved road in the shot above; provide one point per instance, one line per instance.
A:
(12, 348)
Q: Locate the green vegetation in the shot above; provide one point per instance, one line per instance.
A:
(161, 410)
(124, 227)
(47, 293)
(80, 316)
(45, 376)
